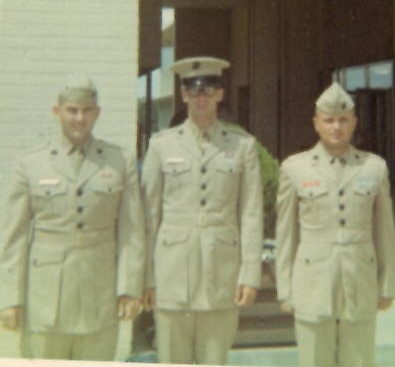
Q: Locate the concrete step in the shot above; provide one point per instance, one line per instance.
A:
(265, 331)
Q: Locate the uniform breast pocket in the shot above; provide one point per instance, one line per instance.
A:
(363, 200)
(106, 196)
(177, 177)
(49, 198)
(314, 204)
(226, 181)
(44, 278)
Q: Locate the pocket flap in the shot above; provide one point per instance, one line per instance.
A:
(176, 168)
(174, 236)
(44, 257)
(313, 191)
(227, 236)
(313, 254)
(228, 167)
(105, 187)
(365, 190)
(49, 190)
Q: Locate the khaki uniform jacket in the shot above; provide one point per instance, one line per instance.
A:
(335, 240)
(204, 217)
(72, 243)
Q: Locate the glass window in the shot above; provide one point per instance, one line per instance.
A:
(355, 78)
(370, 76)
(380, 75)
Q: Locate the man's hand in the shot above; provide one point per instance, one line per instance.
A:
(384, 303)
(128, 307)
(12, 318)
(149, 299)
(245, 295)
(286, 307)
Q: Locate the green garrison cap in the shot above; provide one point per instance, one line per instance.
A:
(78, 88)
(203, 70)
(334, 100)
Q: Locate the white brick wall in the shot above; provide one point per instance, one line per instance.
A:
(41, 41)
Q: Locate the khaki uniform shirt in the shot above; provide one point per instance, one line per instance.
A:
(204, 216)
(335, 235)
(73, 241)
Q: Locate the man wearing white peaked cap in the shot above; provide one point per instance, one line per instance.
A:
(203, 196)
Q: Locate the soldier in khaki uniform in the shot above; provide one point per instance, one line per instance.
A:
(335, 239)
(202, 190)
(73, 255)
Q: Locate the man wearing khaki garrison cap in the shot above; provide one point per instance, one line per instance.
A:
(335, 241)
(73, 251)
(202, 190)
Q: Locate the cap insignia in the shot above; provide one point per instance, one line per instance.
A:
(196, 65)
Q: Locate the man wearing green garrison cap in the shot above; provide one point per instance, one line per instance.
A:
(335, 240)
(73, 251)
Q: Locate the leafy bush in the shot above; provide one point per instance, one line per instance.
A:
(270, 175)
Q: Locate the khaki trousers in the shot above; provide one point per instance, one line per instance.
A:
(89, 347)
(195, 337)
(335, 343)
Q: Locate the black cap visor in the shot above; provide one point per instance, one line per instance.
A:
(202, 81)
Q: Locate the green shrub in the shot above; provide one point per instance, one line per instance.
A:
(270, 175)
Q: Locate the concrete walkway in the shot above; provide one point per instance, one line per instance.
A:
(287, 356)
(262, 357)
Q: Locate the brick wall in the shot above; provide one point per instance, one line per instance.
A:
(41, 41)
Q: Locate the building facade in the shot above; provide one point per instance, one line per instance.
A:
(283, 54)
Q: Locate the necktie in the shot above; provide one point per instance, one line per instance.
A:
(338, 166)
(77, 157)
(203, 141)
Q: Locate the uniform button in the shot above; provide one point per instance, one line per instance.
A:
(342, 222)
(80, 225)
(341, 192)
(203, 170)
(307, 261)
(48, 193)
(342, 206)
(203, 186)
(80, 192)
(80, 209)
(203, 202)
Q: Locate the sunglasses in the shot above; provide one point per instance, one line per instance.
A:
(206, 90)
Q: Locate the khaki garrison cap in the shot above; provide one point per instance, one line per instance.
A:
(334, 100)
(77, 88)
(202, 70)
